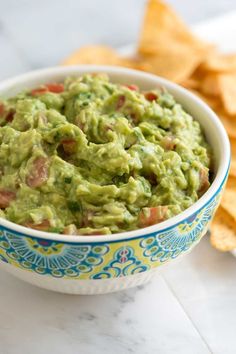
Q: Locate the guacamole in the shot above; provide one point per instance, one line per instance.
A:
(91, 157)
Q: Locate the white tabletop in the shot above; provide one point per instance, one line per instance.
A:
(190, 307)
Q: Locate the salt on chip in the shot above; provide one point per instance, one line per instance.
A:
(223, 231)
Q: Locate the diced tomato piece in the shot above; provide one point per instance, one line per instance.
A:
(43, 226)
(168, 142)
(55, 88)
(204, 181)
(151, 216)
(2, 108)
(120, 102)
(10, 115)
(39, 173)
(132, 87)
(68, 141)
(6, 197)
(39, 91)
(69, 145)
(150, 96)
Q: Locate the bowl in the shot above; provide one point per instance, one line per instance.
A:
(107, 263)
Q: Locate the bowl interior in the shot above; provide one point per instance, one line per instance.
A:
(211, 125)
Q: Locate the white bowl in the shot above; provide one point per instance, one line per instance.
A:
(100, 264)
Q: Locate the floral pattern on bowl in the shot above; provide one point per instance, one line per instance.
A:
(103, 260)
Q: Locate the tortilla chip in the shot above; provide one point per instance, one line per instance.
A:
(233, 158)
(132, 63)
(100, 55)
(228, 92)
(228, 201)
(191, 83)
(213, 102)
(223, 231)
(224, 86)
(162, 28)
(174, 66)
(231, 183)
(229, 123)
(211, 84)
(167, 46)
(217, 62)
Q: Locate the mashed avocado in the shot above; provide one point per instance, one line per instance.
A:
(92, 157)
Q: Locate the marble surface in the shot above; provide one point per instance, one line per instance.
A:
(190, 306)
(41, 33)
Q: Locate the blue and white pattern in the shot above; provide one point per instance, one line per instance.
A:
(50, 257)
(103, 260)
(171, 243)
(124, 263)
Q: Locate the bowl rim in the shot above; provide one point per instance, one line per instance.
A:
(219, 180)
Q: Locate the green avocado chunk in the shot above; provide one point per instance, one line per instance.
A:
(92, 157)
